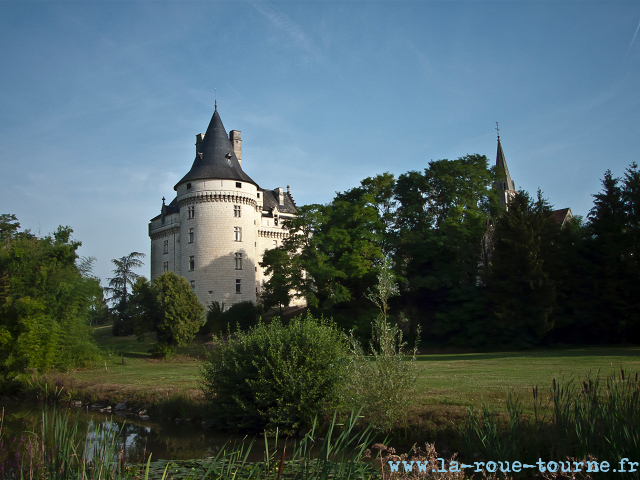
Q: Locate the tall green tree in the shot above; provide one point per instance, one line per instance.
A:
(9, 226)
(442, 220)
(611, 252)
(119, 291)
(170, 308)
(335, 250)
(44, 301)
(519, 288)
(280, 289)
(631, 199)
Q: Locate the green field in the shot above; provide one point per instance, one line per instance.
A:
(447, 383)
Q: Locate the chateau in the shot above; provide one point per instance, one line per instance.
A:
(215, 231)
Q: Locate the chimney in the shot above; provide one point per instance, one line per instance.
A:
(236, 141)
(199, 138)
(280, 196)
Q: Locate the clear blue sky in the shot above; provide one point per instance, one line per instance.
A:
(100, 101)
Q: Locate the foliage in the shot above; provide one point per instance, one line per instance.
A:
(59, 450)
(213, 321)
(592, 418)
(240, 316)
(382, 386)
(520, 290)
(124, 278)
(278, 291)
(170, 308)
(611, 253)
(333, 251)
(443, 218)
(44, 302)
(276, 376)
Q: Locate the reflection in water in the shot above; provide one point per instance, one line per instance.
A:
(165, 439)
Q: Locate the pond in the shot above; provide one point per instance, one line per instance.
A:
(165, 439)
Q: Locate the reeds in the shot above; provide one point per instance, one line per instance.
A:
(597, 418)
(58, 450)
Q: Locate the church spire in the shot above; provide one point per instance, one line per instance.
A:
(506, 186)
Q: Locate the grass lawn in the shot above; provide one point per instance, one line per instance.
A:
(447, 383)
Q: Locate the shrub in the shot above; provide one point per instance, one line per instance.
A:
(381, 385)
(242, 315)
(213, 324)
(170, 308)
(276, 375)
(239, 316)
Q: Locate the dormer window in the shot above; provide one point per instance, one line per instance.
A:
(238, 184)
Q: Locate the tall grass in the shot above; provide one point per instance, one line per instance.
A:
(59, 450)
(596, 417)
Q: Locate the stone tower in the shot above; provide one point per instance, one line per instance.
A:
(217, 228)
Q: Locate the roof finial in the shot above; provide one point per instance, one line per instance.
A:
(215, 99)
(498, 130)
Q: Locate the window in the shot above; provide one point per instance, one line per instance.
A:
(275, 244)
(236, 210)
(238, 261)
(165, 246)
(238, 233)
(165, 266)
(193, 285)
(192, 212)
(188, 186)
(258, 195)
(238, 285)
(191, 235)
(192, 263)
(238, 185)
(275, 221)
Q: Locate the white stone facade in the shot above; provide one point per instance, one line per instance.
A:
(214, 233)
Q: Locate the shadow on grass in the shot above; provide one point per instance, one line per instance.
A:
(551, 353)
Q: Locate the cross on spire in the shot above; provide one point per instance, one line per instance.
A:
(498, 130)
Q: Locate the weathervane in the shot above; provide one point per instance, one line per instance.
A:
(498, 130)
(215, 99)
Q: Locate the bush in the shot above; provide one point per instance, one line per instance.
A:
(170, 308)
(242, 315)
(213, 323)
(275, 375)
(382, 385)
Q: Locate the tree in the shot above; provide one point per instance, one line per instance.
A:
(124, 278)
(382, 383)
(334, 252)
(611, 252)
(631, 199)
(276, 376)
(170, 308)
(44, 302)
(280, 288)
(442, 219)
(520, 291)
(9, 226)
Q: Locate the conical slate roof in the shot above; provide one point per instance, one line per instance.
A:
(215, 158)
